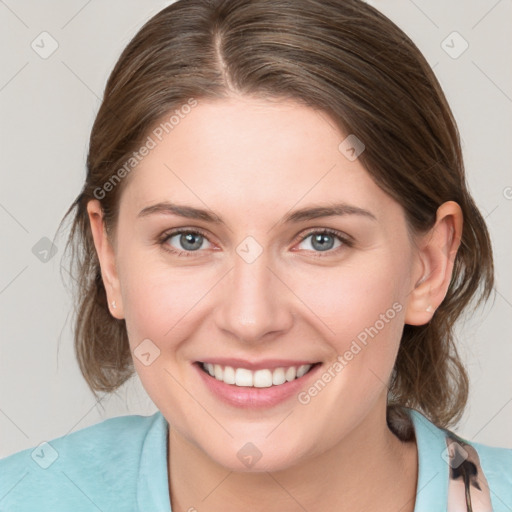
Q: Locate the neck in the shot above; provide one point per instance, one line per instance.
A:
(370, 469)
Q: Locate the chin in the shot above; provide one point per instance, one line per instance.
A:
(249, 458)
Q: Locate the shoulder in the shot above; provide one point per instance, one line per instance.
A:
(105, 439)
(77, 468)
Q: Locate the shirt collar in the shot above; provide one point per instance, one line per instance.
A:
(153, 481)
(431, 491)
(432, 486)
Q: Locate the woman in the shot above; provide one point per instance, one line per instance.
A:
(275, 233)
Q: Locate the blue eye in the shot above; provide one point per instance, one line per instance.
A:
(190, 241)
(324, 240)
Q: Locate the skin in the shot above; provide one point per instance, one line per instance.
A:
(252, 161)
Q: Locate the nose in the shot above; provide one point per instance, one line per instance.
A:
(255, 303)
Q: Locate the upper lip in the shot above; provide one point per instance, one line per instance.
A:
(271, 364)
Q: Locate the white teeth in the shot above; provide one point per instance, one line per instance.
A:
(243, 377)
(278, 376)
(229, 375)
(259, 379)
(262, 379)
(291, 373)
(302, 370)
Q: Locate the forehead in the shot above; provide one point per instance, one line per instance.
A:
(254, 153)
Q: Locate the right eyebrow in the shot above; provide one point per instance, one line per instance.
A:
(188, 212)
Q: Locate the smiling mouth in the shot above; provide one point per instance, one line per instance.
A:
(263, 378)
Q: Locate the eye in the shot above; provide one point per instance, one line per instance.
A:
(183, 242)
(324, 240)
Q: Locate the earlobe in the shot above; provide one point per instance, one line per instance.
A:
(436, 253)
(106, 257)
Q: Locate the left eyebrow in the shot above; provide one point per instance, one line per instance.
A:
(307, 213)
(336, 209)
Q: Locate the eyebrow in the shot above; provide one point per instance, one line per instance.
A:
(301, 215)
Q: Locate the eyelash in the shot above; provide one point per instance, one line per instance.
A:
(344, 239)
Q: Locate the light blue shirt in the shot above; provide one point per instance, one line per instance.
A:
(120, 464)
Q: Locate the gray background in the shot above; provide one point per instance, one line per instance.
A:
(47, 110)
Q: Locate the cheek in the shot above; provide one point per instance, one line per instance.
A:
(160, 305)
(157, 299)
(359, 310)
(351, 297)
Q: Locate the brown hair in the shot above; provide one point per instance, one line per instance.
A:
(341, 56)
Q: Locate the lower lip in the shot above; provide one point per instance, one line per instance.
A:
(251, 397)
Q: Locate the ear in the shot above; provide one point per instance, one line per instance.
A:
(437, 251)
(106, 257)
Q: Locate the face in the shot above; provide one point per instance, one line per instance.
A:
(261, 286)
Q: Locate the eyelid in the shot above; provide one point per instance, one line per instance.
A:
(346, 239)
